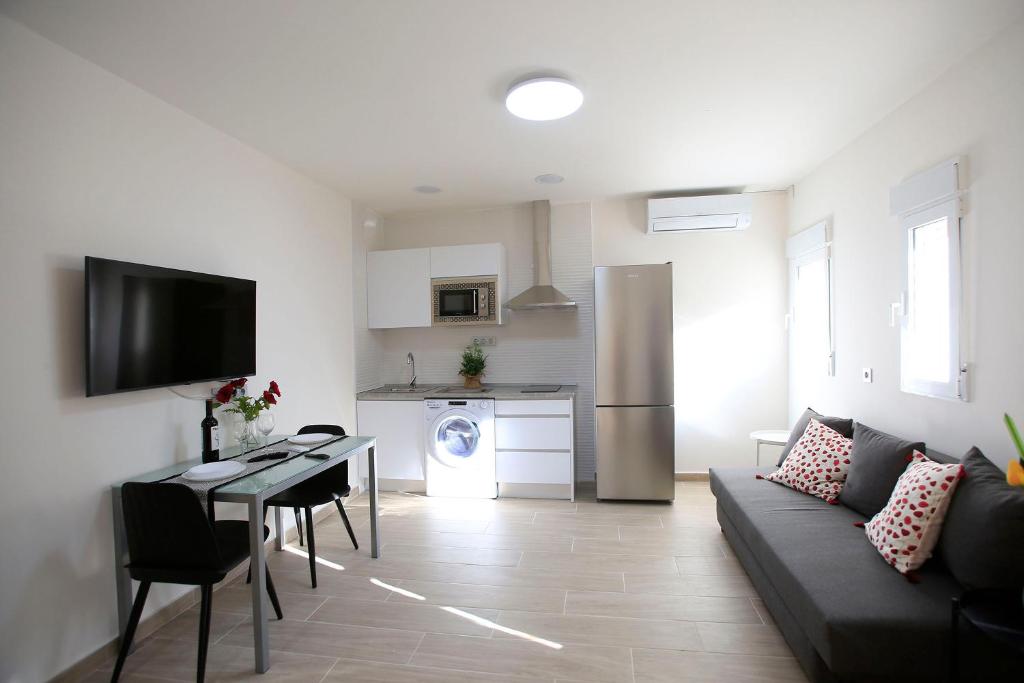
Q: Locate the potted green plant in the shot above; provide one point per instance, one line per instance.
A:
(473, 364)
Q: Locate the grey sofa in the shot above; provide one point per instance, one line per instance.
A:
(845, 613)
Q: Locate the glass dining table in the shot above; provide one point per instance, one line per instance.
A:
(252, 490)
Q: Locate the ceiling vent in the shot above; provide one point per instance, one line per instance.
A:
(686, 214)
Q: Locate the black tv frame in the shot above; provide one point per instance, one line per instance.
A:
(88, 336)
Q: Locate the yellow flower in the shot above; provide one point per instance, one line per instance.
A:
(1015, 473)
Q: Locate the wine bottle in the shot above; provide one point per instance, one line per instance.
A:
(211, 435)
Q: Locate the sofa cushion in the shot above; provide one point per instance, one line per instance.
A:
(803, 649)
(864, 619)
(841, 425)
(878, 460)
(981, 540)
(906, 530)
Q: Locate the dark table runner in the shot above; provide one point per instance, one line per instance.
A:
(205, 489)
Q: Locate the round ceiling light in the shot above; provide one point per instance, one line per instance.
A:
(548, 179)
(427, 189)
(543, 99)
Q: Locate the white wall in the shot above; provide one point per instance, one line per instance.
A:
(534, 346)
(975, 110)
(367, 347)
(730, 343)
(94, 166)
(366, 228)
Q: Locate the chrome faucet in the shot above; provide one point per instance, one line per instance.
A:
(409, 360)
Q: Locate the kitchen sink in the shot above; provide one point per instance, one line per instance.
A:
(404, 389)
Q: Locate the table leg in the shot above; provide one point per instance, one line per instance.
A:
(278, 529)
(123, 579)
(258, 563)
(371, 482)
(757, 452)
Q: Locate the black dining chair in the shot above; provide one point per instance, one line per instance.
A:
(171, 540)
(329, 486)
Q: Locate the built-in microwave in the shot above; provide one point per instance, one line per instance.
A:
(465, 301)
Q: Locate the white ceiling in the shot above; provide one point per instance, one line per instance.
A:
(375, 97)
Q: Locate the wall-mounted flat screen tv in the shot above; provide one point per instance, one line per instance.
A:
(156, 327)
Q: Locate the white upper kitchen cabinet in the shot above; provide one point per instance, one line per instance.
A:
(467, 260)
(398, 288)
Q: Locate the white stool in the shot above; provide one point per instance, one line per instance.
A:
(772, 437)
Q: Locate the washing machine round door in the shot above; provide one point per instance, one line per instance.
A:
(455, 439)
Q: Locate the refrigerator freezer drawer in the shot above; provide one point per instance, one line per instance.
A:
(636, 453)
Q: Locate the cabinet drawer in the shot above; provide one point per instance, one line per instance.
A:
(514, 467)
(532, 407)
(533, 433)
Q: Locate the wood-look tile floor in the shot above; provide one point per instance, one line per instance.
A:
(506, 590)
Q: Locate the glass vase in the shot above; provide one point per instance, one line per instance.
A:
(246, 435)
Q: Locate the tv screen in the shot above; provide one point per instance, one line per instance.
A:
(155, 327)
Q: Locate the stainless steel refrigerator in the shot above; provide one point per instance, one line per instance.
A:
(634, 393)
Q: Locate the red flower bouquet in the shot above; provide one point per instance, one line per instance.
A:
(233, 394)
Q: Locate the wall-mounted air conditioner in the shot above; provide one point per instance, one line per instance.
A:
(684, 214)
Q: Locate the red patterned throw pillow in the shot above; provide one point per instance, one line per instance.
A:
(908, 527)
(817, 464)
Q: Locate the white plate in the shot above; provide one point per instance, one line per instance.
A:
(310, 439)
(212, 471)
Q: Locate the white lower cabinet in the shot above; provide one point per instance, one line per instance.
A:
(398, 426)
(534, 442)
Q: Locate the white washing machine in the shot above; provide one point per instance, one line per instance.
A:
(460, 448)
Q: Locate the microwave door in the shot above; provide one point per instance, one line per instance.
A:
(458, 302)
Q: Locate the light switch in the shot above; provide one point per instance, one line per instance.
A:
(868, 375)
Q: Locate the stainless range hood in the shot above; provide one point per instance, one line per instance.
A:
(542, 296)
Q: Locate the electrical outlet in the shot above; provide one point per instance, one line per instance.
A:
(485, 341)
(868, 375)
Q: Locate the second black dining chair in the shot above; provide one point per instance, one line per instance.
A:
(329, 486)
(171, 540)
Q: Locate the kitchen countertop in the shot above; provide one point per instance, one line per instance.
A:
(504, 392)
